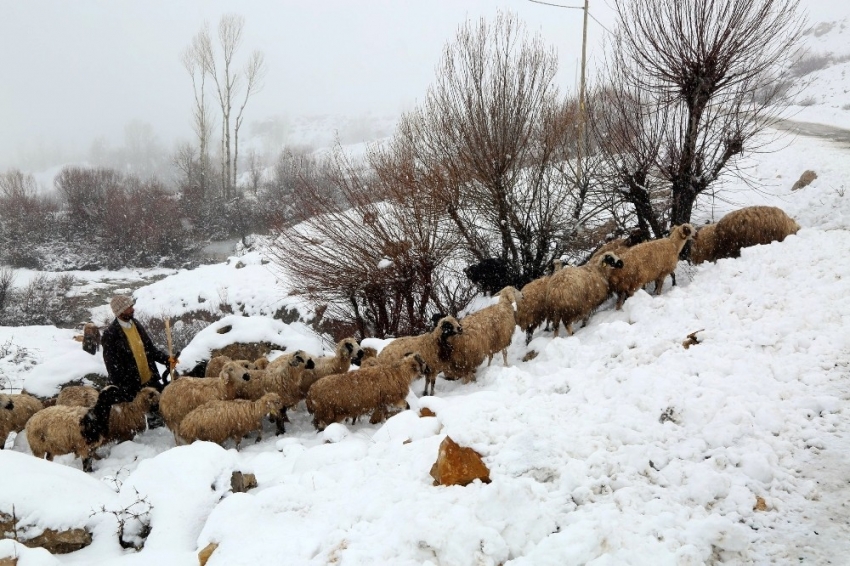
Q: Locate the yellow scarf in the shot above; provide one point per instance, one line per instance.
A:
(138, 349)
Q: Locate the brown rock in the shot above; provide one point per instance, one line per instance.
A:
(761, 504)
(10, 561)
(805, 180)
(206, 552)
(457, 465)
(56, 542)
(426, 412)
(240, 483)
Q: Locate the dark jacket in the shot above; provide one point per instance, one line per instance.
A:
(121, 365)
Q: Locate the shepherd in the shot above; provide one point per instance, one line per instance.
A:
(129, 353)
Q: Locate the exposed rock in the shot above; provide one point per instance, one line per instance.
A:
(761, 504)
(55, 542)
(805, 179)
(457, 465)
(245, 350)
(426, 412)
(206, 552)
(240, 483)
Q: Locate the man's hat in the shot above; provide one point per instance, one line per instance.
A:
(120, 303)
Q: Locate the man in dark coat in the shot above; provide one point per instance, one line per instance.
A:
(129, 353)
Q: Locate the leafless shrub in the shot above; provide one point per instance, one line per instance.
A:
(133, 521)
(808, 101)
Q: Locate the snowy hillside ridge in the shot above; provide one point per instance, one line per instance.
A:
(614, 446)
(824, 67)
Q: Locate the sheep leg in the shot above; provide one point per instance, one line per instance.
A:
(281, 418)
(529, 332)
(621, 298)
(570, 328)
(556, 322)
(87, 467)
(489, 359)
(505, 357)
(659, 283)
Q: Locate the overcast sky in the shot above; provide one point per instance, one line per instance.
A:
(75, 71)
(80, 70)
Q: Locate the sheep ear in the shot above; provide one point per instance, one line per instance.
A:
(349, 347)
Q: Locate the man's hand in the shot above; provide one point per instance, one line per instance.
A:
(172, 362)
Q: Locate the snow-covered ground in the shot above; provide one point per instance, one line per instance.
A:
(614, 446)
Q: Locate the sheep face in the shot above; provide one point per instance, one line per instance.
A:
(150, 398)
(611, 260)
(234, 371)
(353, 349)
(300, 358)
(683, 232)
(449, 326)
(95, 423)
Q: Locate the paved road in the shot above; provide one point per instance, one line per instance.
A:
(809, 129)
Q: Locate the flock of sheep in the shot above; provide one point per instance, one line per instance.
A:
(235, 396)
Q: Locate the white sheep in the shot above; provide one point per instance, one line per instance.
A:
(79, 430)
(574, 293)
(348, 351)
(741, 228)
(218, 421)
(126, 419)
(373, 389)
(282, 376)
(187, 393)
(435, 347)
(485, 333)
(77, 396)
(647, 262)
(531, 310)
(15, 410)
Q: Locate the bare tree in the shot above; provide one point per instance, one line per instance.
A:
(491, 135)
(368, 248)
(193, 57)
(234, 86)
(714, 68)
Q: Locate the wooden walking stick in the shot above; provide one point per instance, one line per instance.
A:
(172, 375)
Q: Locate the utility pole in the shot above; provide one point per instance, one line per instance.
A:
(581, 98)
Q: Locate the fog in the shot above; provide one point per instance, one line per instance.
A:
(84, 74)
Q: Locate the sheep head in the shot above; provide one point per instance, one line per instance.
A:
(352, 349)
(611, 260)
(95, 422)
(149, 398)
(233, 371)
(261, 363)
(511, 294)
(448, 327)
(301, 358)
(682, 232)
(417, 363)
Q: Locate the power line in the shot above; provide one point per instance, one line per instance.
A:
(557, 5)
(572, 8)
